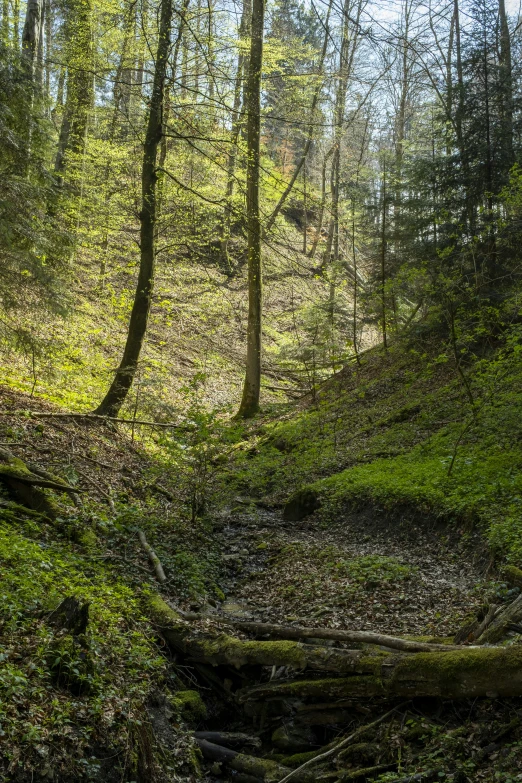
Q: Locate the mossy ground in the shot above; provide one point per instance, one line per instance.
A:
(400, 432)
(77, 708)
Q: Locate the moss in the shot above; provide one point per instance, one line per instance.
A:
(228, 649)
(160, 612)
(460, 674)
(189, 706)
(512, 575)
(87, 538)
(361, 752)
(297, 759)
(15, 468)
(329, 688)
(266, 769)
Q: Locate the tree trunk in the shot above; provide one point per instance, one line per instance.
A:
(506, 82)
(80, 87)
(252, 385)
(383, 258)
(237, 117)
(310, 137)
(125, 373)
(488, 672)
(5, 22)
(32, 34)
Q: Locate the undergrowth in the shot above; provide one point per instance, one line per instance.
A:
(405, 431)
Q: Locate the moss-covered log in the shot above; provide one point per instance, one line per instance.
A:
(15, 474)
(28, 486)
(261, 769)
(228, 650)
(489, 672)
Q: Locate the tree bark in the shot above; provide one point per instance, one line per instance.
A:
(506, 81)
(80, 86)
(237, 118)
(32, 33)
(252, 385)
(310, 137)
(484, 672)
(122, 382)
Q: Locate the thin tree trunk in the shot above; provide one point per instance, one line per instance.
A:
(16, 24)
(354, 259)
(317, 237)
(166, 110)
(310, 136)
(346, 58)
(383, 259)
(237, 117)
(80, 87)
(5, 21)
(48, 33)
(506, 81)
(251, 389)
(31, 35)
(115, 397)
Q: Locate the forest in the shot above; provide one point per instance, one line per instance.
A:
(260, 391)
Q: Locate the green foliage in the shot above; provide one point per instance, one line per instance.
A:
(370, 568)
(50, 681)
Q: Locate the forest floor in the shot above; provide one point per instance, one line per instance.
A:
(396, 546)
(368, 571)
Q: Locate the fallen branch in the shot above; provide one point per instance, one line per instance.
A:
(37, 481)
(51, 477)
(95, 484)
(366, 637)
(342, 744)
(93, 416)
(154, 559)
(230, 739)
(262, 769)
(418, 777)
(345, 775)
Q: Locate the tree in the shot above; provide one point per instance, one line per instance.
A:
(122, 382)
(80, 86)
(252, 385)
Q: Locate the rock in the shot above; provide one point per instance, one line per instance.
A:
(301, 504)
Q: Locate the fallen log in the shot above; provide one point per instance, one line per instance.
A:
(333, 751)
(15, 475)
(228, 739)
(470, 672)
(153, 558)
(260, 769)
(461, 672)
(366, 637)
(228, 650)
